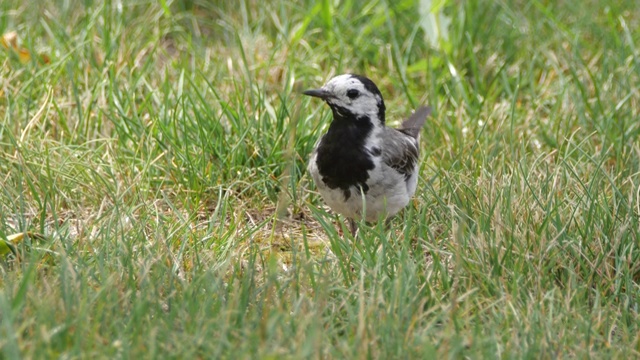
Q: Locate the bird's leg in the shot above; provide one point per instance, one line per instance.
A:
(387, 224)
(353, 226)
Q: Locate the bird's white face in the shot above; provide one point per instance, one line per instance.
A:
(352, 96)
(350, 93)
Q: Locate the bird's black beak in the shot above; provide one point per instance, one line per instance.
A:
(319, 93)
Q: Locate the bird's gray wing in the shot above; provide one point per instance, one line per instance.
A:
(400, 146)
(400, 151)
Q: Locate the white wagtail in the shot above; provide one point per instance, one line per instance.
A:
(362, 168)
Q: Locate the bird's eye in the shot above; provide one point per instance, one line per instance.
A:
(353, 93)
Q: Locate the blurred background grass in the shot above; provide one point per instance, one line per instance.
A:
(152, 147)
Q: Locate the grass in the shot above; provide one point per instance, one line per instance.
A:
(162, 153)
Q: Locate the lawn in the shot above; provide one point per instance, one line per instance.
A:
(156, 153)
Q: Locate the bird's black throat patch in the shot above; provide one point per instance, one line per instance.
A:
(342, 159)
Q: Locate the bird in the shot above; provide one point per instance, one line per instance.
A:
(362, 168)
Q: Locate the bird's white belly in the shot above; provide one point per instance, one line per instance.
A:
(388, 193)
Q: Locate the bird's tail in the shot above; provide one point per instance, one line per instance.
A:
(416, 121)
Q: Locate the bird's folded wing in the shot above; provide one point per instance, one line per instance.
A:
(400, 151)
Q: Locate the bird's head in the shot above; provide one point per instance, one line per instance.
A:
(352, 98)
